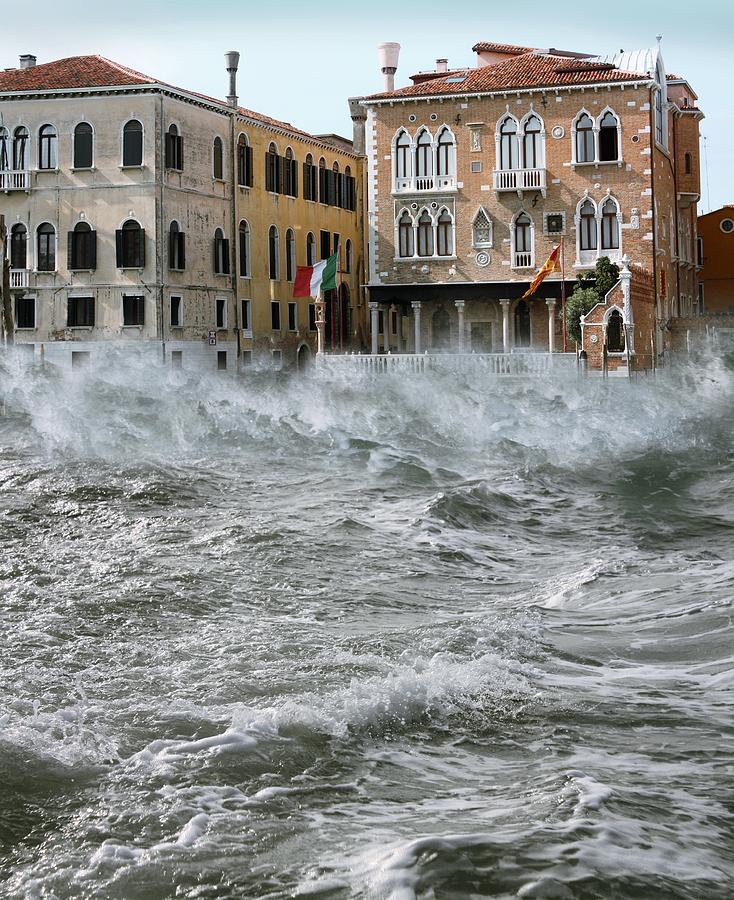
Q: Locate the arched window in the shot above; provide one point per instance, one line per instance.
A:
(18, 246)
(615, 332)
(608, 137)
(446, 156)
(20, 148)
(132, 143)
(609, 225)
(406, 242)
(130, 240)
(274, 253)
(403, 158)
(244, 248)
(310, 182)
(176, 248)
(244, 162)
(587, 226)
(523, 234)
(445, 234)
(424, 155)
(532, 151)
(218, 159)
(522, 324)
(221, 253)
(509, 156)
(83, 146)
(348, 257)
(82, 248)
(425, 234)
(482, 230)
(290, 255)
(46, 250)
(584, 139)
(4, 153)
(48, 147)
(310, 249)
(173, 149)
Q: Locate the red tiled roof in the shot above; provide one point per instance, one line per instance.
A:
(490, 47)
(529, 70)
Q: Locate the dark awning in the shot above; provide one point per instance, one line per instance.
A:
(468, 290)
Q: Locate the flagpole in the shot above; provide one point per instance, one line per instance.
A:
(320, 323)
(339, 299)
(563, 292)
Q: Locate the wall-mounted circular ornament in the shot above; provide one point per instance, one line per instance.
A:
(482, 258)
(558, 131)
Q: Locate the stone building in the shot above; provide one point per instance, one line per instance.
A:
(140, 213)
(476, 174)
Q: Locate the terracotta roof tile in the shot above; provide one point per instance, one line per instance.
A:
(490, 47)
(529, 70)
(74, 72)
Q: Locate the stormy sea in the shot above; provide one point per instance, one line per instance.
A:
(438, 636)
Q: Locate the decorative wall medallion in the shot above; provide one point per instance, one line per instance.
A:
(593, 338)
(558, 131)
(412, 117)
(635, 139)
(434, 117)
(482, 258)
(727, 226)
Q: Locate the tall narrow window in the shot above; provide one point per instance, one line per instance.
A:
(274, 253)
(130, 246)
(244, 248)
(174, 149)
(290, 255)
(292, 317)
(403, 159)
(244, 162)
(218, 159)
(221, 311)
(445, 159)
(18, 246)
(325, 237)
(20, 148)
(406, 245)
(444, 234)
(290, 174)
(310, 249)
(609, 226)
(25, 312)
(82, 248)
(310, 186)
(176, 312)
(275, 315)
(272, 169)
(608, 138)
(584, 139)
(531, 143)
(615, 332)
(687, 164)
(348, 257)
(509, 155)
(221, 253)
(132, 143)
(323, 175)
(4, 151)
(425, 234)
(659, 133)
(46, 256)
(351, 190)
(424, 155)
(176, 248)
(523, 241)
(48, 147)
(587, 226)
(83, 146)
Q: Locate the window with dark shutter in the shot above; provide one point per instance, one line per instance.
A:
(83, 146)
(82, 248)
(130, 246)
(272, 169)
(218, 159)
(80, 312)
(275, 315)
(132, 143)
(325, 238)
(46, 255)
(221, 309)
(322, 180)
(176, 312)
(312, 317)
(244, 248)
(176, 248)
(221, 253)
(133, 309)
(18, 246)
(25, 312)
(274, 253)
(174, 149)
(244, 162)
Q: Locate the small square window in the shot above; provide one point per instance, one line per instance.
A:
(80, 358)
(476, 165)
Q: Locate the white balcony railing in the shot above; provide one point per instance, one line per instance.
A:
(425, 184)
(15, 180)
(18, 278)
(491, 363)
(522, 259)
(519, 179)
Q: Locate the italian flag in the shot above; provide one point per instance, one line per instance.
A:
(312, 279)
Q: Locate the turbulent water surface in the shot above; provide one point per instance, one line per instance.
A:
(409, 637)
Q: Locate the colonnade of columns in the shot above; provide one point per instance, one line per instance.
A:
(461, 332)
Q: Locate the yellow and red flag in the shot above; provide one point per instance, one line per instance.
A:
(550, 265)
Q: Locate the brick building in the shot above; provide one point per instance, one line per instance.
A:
(475, 174)
(716, 259)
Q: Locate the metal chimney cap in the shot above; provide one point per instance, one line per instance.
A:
(232, 60)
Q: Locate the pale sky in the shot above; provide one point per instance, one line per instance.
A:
(300, 62)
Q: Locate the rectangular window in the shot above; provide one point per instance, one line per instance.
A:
(325, 244)
(336, 241)
(221, 307)
(130, 246)
(174, 152)
(80, 358)
(292, 317)
(277, 356)
(82, 249)
(133, 309)
(25, 312)
(247, 358)
(272, 172)
(176, 312)
(176, 250)
(476, 165)
(177, 359)
(699, 251)
(275, 315)
(222, 360)
(312, 317)
(80, 312)
(246, 316)
(393, 322)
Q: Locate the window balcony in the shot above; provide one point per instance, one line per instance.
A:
(519, 180)
(425, 184)
(18, 278)
(15, 180)
(522, 259)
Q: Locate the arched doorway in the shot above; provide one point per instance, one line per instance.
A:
(303, 357)
(441, 330)
(615, 332)
(522, 324)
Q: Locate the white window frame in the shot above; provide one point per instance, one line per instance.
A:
(55, 269)
(532, 114)
(180, 322)
(217, 299)
(292, 305)
(482, 245)
(246, 304)
(513, 251)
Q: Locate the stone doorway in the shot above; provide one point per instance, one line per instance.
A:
(480, 337)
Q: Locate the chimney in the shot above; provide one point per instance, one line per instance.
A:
(442, 65)
(359, 117)
(232, 61)
(387, 55)
(27, 61)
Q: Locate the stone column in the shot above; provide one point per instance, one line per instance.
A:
(386, 329)
(460, 310)
(505, 304)
(625, 276)
(551, 304)
(416, 305)
(374, 324)
(320, 325)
